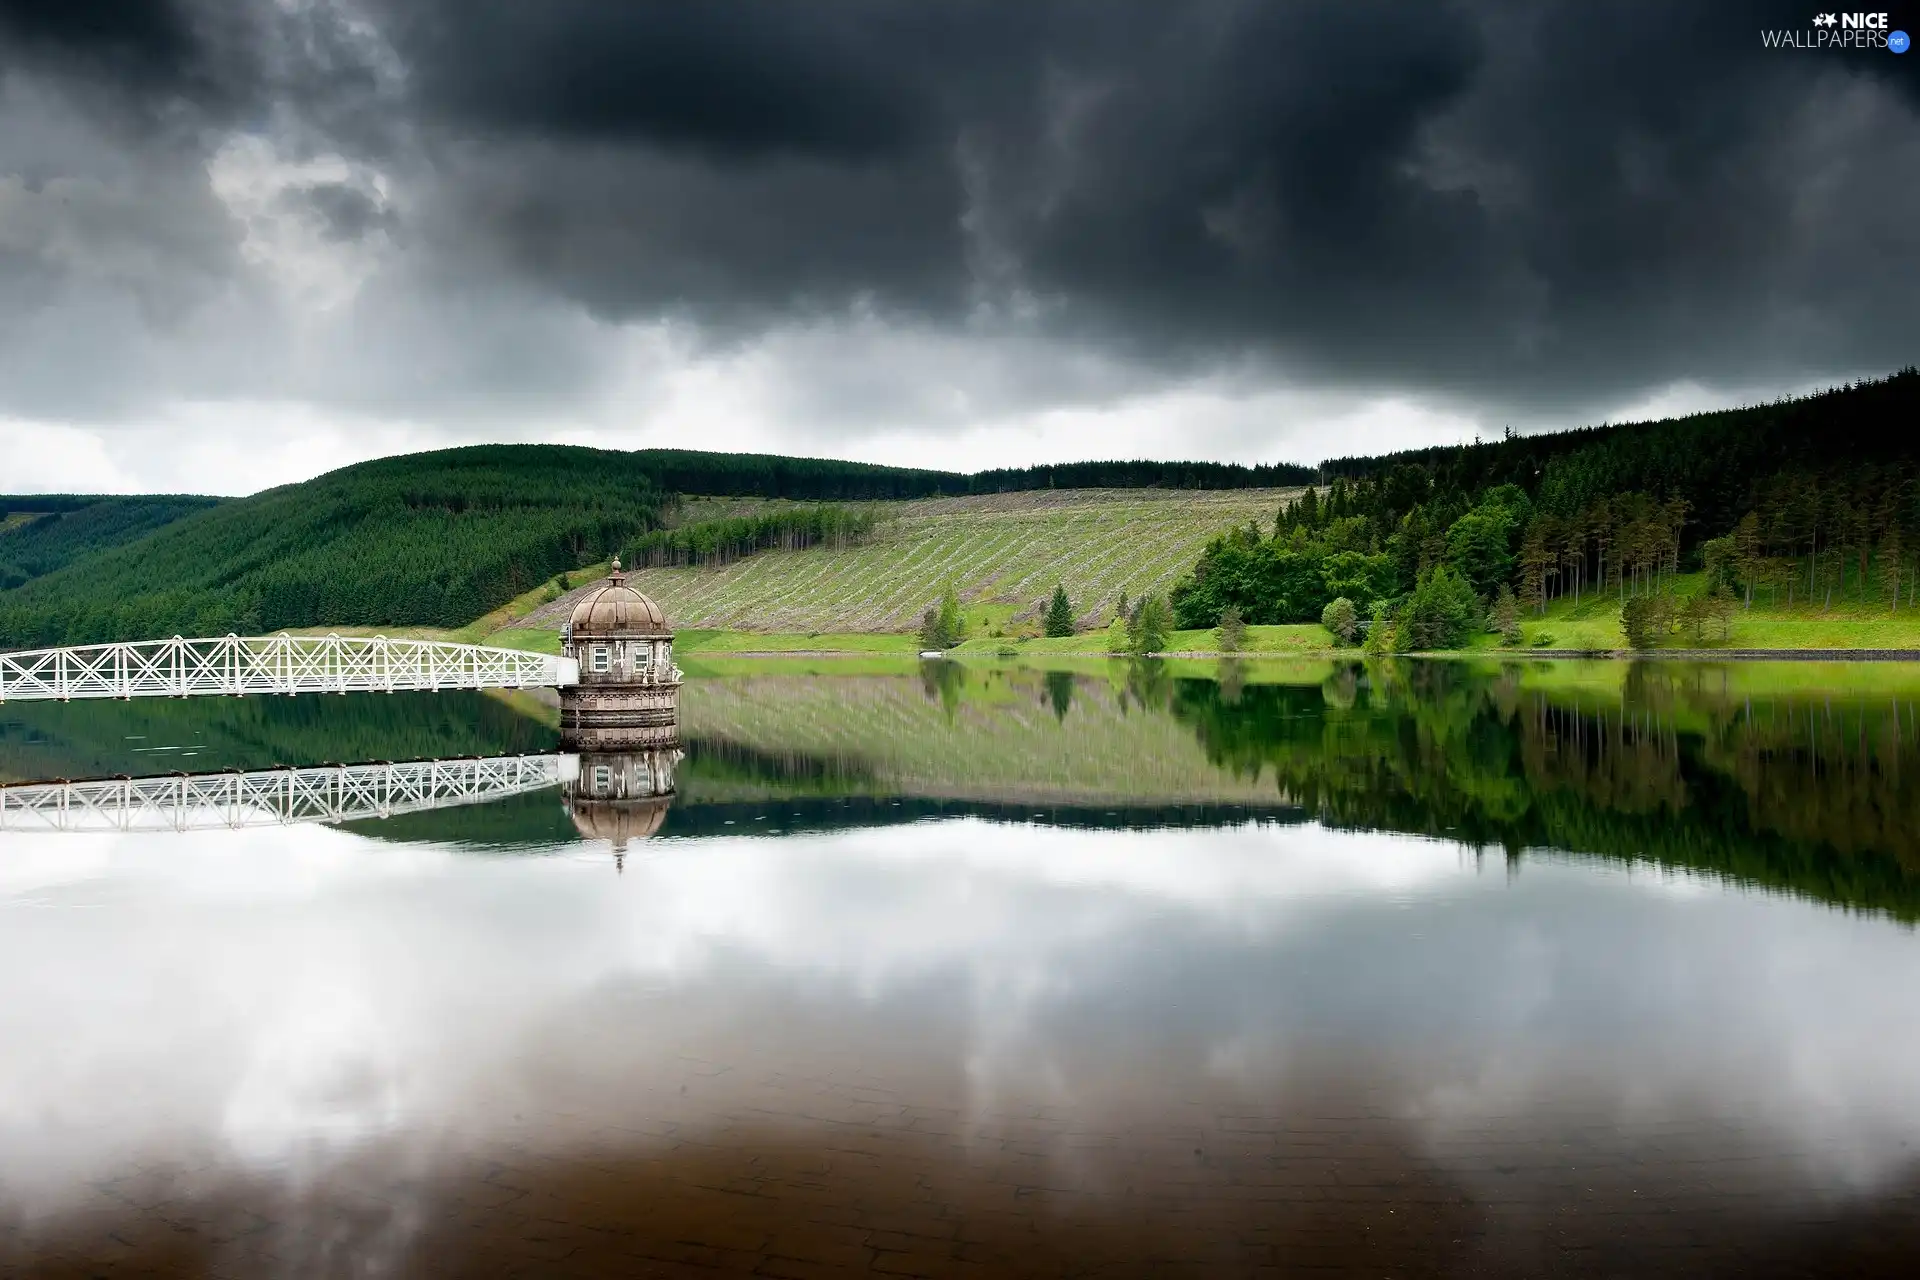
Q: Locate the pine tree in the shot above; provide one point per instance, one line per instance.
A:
(1059, 620)
(1150, 625)
(1506, 617)
(1380, 634)
(1891, 554)
(1232, 631)
(952, 626)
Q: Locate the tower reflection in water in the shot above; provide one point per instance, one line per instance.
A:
(622, 716)
(618, 796)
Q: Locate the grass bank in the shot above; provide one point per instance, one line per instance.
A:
(529, 622)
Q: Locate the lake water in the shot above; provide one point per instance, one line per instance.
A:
(1552, 969)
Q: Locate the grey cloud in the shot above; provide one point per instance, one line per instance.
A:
(1537, 210)
(1543, 205)
(348, 212)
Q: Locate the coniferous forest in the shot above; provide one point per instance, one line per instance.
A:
(44, 533)
(1811, 500)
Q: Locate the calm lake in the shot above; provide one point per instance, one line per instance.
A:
(1430, 969)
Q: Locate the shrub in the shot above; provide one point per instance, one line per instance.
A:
(1342, 619)
(1441, 612)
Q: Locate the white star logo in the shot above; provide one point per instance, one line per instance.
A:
(1824, 20)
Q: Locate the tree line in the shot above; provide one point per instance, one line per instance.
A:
(716, 542)
(831, 480)
(1800, 795)
(1437, 544)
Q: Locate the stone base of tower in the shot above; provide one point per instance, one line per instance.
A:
(614, 717)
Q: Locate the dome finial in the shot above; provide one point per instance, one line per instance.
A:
(617, 576)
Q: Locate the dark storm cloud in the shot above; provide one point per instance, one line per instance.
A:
(1550, 207)
(1545, 204)
(201, 57)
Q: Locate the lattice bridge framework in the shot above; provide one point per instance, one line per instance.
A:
(179, 668)
(272, 797)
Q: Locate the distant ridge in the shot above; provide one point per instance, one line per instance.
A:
(762, 475)
(438, 539)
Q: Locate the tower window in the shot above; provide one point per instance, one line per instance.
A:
(602, 661)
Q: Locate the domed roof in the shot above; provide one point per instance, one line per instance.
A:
(617, 611)
(618, 821)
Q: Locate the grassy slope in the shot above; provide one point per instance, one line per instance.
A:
(1002, 552)
(1595, 624)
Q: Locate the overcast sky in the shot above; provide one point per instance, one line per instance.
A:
(245, 241)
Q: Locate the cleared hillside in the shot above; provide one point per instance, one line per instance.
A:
(1001, 551)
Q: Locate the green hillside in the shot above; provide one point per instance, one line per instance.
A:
(434, 539)
(1806, 504)
(1004, 553)
(439, 539)
(42, 533)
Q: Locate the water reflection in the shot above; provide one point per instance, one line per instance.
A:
(1211, 1051)
(619, 796)
(1415, 969)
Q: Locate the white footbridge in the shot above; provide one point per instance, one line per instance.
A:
(274, 797)
(180, 668)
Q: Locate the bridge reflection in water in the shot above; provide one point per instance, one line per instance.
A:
(615, 797)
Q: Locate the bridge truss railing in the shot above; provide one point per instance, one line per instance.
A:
(179, 668)
(272, 797)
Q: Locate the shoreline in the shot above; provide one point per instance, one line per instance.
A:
(1681, 655)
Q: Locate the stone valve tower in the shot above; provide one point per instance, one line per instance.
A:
(627, 698)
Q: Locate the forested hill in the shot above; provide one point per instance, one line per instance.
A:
(44, 532)
(764, 475)
(1713, 461)
(437, 539)
(428, 539)
(1805, 500)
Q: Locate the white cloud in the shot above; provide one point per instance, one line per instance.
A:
(859, 389)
